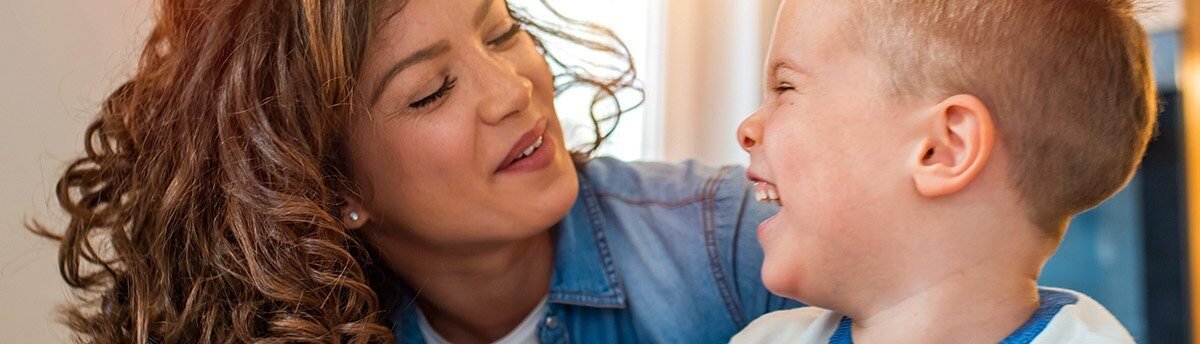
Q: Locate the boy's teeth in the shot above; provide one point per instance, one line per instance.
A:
(766, 192)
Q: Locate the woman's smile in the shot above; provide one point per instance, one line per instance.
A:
(533, 151)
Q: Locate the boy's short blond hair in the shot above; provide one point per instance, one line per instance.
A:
(1068, 83)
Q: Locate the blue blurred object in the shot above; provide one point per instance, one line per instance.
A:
(1130, 252)
(1102, 257)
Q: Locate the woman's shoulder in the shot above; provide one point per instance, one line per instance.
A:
(664, 184)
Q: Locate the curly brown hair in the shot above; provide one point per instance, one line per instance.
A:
(204, 207)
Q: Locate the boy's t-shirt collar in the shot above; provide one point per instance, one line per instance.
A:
(1052, 301)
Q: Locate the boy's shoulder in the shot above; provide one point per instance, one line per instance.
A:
(1078, 319)
(1065, 316)
(800, 325)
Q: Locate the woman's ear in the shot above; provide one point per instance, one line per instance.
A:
(354, 214)
(958, 143)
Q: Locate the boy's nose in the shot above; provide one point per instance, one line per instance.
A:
(750, 132)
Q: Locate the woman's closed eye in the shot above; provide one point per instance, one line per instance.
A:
(506, 37)
(442, 91)
(449, 82)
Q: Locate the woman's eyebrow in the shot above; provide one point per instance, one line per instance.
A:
(429, 53)
(483, 11)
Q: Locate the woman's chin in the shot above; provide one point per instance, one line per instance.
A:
(552, 203)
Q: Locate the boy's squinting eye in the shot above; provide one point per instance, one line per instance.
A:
(447, 85)
(507, 36)
(784, 87)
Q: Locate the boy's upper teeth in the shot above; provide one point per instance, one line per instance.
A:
(766, 192)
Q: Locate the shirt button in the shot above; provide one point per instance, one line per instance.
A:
(551, 322)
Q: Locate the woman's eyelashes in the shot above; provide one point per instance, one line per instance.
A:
(449, 82)
(447, 85)
(506, 37)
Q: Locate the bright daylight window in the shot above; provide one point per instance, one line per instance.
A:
(636, 22)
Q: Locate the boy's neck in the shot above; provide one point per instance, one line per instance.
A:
(982, 303)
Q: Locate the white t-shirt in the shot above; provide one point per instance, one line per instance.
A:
(1064, 316)
(525, 333)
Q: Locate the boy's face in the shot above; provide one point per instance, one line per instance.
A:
(831, 142)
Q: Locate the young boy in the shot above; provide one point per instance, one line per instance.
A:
(928, 155)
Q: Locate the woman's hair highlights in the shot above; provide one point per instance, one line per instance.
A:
(204, 208)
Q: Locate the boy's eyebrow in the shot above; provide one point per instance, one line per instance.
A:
(779, 66)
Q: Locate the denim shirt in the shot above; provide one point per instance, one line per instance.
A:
(649, 253)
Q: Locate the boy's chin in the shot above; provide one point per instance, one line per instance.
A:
(781, 280)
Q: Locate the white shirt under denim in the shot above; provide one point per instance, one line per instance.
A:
(525, 333)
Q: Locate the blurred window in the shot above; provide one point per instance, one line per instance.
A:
(637, 23)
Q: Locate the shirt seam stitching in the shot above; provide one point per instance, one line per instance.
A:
(648, 202)
(601, 243)
(709, 216)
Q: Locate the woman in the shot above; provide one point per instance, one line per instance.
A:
(369, 171)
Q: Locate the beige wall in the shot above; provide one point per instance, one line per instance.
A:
(712, 75)
(58, 59)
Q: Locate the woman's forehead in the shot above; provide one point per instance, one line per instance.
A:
(423, 21)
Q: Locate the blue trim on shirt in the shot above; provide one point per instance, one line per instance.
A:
(842, 335)
(1052, 302)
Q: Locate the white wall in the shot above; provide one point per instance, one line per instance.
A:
(59, 59)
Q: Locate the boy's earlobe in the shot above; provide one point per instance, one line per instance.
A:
(961, 136)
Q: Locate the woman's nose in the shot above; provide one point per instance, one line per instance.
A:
(506, 92)
(750, 132)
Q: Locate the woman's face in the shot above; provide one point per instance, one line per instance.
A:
(460, 143)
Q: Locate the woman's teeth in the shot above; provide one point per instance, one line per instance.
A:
(529, 151)
(766, 193)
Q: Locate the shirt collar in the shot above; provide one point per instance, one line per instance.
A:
(1052, 302)
(584, 272)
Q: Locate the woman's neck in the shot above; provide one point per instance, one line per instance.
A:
(475, 295)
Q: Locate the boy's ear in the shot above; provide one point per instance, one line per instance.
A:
(959, 140)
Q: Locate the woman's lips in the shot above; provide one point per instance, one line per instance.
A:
(540, 156)
(533, 140)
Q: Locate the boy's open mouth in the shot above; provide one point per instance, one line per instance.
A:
(766, 192)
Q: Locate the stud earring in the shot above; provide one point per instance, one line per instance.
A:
(354, 216)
